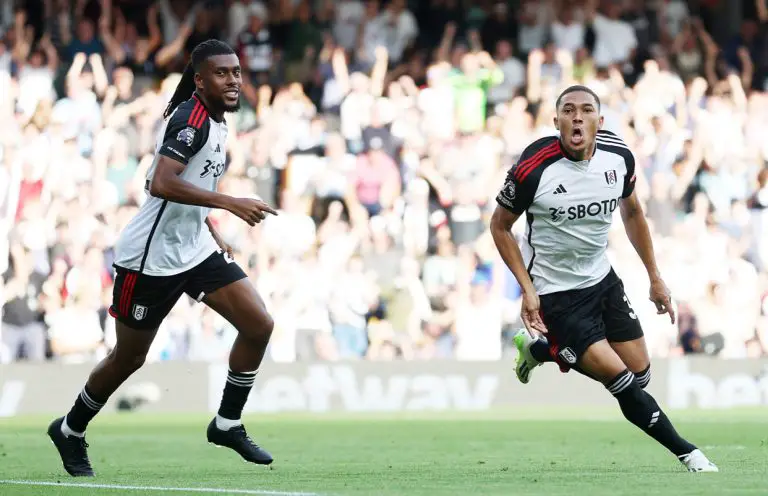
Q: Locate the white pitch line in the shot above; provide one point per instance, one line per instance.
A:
(157, 488)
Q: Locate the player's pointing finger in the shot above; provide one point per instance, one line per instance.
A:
(266, 208)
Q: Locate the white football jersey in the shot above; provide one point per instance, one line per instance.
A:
(569, 207)
(167, 238)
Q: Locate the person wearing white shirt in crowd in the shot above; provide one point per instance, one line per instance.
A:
(478, 314)
(514, 74)
(533, 28)
(292, 232)
(616, 40)
(567, 31)
(436, 102)
(74, 330)
(674, 13)
(349, 17)
(36, 77)
(398, 27)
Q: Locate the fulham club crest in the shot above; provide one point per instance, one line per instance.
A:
(139, 312)
(610, 177)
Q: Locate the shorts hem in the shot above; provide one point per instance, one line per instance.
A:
(625, 337)
(555, 349)
(201, 296)
(133, 324)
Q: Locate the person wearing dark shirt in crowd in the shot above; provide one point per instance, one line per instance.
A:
(254, 46)
(498, 26)
(380, 131)
(302, 45)
(85, 40)
(126, 45)
(23, 330)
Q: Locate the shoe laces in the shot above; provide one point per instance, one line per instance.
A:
(240, 429)
(78, 446)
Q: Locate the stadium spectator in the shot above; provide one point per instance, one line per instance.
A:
(381, 130)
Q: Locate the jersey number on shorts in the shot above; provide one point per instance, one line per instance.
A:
(632, 313)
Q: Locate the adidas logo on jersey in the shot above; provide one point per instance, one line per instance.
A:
(560, 190)
(218, 148)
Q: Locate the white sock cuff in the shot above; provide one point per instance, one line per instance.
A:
(90, 402)
(226, 424)
(242, 379)
(644, 377)
(67, 431)
(621, 382)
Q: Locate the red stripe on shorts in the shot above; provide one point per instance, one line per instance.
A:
(127, 296)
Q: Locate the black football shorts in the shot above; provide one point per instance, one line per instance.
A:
(141, 301)
(578, 318)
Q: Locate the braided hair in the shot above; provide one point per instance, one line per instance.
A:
(186, 86)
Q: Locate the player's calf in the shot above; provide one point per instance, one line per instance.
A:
(244, 361)
(245, 355)
(236, 391)
(226, 429)
(241, 305)
(641, 409)
(68, 432)
(108, 375)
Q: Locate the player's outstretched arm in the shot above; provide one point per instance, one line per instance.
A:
(640, 236)
(167, 184)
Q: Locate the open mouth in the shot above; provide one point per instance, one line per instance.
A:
(232, 93)
(577, 136)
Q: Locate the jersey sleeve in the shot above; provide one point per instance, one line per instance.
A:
(185, 134)
(610, 141)
(630, 177)
(520, 185)
(516, 196)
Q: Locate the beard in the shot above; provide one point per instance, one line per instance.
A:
(224, 106)
(231, 108)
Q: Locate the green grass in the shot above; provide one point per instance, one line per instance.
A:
(530, 452)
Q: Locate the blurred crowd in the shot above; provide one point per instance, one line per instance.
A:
(382, 130)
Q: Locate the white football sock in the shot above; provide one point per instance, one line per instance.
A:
(69, 432)
(226, 424)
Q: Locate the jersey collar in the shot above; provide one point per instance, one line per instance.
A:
(210, 114)
(564, 151)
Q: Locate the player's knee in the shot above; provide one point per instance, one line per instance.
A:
(267, 326)
(135, 363)
(261, 329)
(644, 378)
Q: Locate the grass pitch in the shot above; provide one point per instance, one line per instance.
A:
(499, 453)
